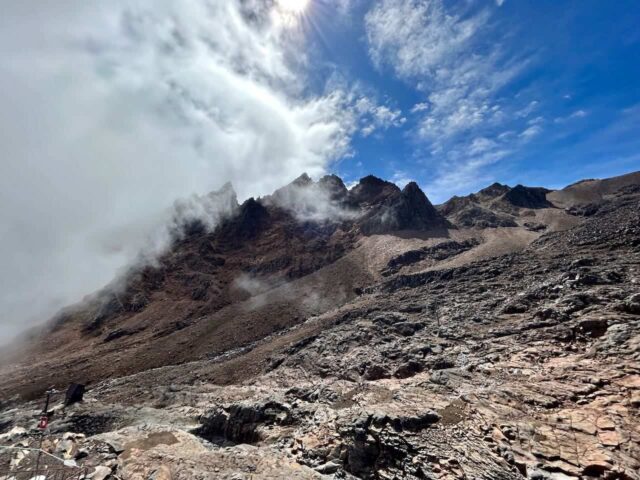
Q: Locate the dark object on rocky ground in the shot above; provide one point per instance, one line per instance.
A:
(75, 394)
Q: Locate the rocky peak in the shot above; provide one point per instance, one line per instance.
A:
(497, 205)
(415, 194)
(454, 204)
(417, 211)
(283, 195)
(325, 200)
(302, 180)
(199, 213)
(409, 209)
(371, 190)
(334, 186)
(494, 190)
(252, 216)
(528, 197)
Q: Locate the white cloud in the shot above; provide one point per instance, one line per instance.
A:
(573, 116)
(376, 117)
(481, 145)
(420, 107)
(438, 51)
(500, 2)
(463, 169)
(416, 37)
(401, 178)
(447, 52)
(114, 109)
(531, 132)
(529, 109)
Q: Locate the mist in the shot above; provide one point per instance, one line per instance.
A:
(114, 110)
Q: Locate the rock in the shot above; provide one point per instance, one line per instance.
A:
(116, 446)
(162, 473)
(593, 327)
(517, 306)
(582, 262)
(576, 302)
(75, 394)
(535, 227)
(407, 328)
(528, 197)
(328, 468)
(419, 421)
(240, 422)
(100, 473)
(408, 369)
(67, 448)
(14, 433)
(376, 372)
(632, 304)
(609, 438)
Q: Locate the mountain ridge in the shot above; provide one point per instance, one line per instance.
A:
(362, 333)
(372, 207)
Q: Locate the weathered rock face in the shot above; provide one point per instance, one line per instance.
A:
(241, 423)
(335, 186)
(388, 209)
(495, 206)
(416, 211)
(251, 220)
(527, 197)
(439, 252)
(372, 190)
(456, 356)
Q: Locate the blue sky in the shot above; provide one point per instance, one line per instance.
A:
(563, 77)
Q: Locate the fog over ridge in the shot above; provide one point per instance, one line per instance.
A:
(112, 113)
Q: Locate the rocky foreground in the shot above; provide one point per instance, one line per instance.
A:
(494, 337)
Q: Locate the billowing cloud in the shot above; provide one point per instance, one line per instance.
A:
(112, 110)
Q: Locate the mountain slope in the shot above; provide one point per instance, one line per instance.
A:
(216, 290)
(323, 350)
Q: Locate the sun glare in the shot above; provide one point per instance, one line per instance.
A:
(293, 6)
(289, 13)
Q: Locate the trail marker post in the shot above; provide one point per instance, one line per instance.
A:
(43, 424)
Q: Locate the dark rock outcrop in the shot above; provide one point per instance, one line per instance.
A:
(528, 197)
(386, 208)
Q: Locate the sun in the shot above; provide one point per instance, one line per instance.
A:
(289, 14)
(295, 7)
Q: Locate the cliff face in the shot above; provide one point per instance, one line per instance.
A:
(389, 209)
(322, 332)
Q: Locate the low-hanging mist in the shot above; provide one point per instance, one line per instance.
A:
(112, 112)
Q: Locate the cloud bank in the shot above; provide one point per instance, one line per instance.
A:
(112, 110)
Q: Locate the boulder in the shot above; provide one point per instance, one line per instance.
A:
(632, 304)
(100, 473)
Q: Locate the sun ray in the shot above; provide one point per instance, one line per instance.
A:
(289, 13)
(296, 7)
